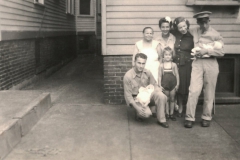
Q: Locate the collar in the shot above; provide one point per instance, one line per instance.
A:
(134, 74)
(209, 29)
(169, 38)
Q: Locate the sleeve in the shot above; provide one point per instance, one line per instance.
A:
(217, 52)
(127, 91)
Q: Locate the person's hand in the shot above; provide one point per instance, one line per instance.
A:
(176, 88)
(141, 111)
(201, 53)
(163, 90)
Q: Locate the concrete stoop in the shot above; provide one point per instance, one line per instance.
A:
(19, 112)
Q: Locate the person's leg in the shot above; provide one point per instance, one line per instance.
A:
(167, 93)
(160, 101)
(180, 103)
(210, 80)
(195, 89)
(172, 104)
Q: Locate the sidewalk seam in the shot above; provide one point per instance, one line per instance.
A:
(129, 134)
(227, 132)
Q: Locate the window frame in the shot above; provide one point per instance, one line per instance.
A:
(70, 7)
(39, 2)
(91, 10)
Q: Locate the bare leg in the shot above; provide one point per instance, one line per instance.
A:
(167, 93)
(180, 103)
(172, 101)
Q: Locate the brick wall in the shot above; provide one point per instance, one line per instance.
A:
(22, 59)
(52, 51)
(17, 62)
(115, 68)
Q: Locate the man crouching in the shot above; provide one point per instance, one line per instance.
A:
(139, 77)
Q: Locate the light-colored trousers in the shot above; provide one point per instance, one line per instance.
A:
(159, 99)
(204, 76)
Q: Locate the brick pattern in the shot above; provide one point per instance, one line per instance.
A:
(17, 62)
(55, 50)
(18, 58)
(115, 68)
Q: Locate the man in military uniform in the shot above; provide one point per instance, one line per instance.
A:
(204, 69)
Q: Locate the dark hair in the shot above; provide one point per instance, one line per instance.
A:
(140, 55)
(167, 49)
(147, 28)
(163, 20)
(179, 20)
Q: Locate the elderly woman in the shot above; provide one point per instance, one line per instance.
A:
(166, 39)
(152, 49)
(183, 46)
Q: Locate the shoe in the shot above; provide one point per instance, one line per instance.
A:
(205, 123)
(163, 124)
(188, 124)
(167, 117)
(172, 117)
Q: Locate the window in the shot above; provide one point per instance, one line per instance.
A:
(85, 7)
(39, 1)
(70, 7)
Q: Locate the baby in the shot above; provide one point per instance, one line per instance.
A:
(215, 45)
(144, 97)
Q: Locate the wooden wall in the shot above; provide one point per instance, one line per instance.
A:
(23, 19)
(85, 23)
(124, 20)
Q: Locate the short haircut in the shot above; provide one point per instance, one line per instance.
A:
(163, 20)
(140, 55)
(147, 28)
(179, 20)
(167, 49)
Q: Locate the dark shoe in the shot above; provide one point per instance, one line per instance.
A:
(167, 117)
(172, 117)
(188, 124)
(163, 124)
(179, 115)
(205, 123)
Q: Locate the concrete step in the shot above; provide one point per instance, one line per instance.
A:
(19, 112)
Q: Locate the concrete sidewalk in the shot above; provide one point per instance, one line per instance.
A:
(80, 126)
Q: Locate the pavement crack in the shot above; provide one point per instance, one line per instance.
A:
(129, 134)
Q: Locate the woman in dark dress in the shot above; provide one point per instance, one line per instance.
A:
(183, 46)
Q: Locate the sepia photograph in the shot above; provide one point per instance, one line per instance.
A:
(119, 79)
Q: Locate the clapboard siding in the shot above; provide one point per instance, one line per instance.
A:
(116, 35)
(86, 23)
(27, 16)
(126, 19)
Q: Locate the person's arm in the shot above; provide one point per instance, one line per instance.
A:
(159, 51)
(129, 98)
(177, 75)
(217, 52)
(134, 53)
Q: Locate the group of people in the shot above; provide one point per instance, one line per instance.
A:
(179, 64)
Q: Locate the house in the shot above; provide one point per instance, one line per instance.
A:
(122, 24)
(37, 37)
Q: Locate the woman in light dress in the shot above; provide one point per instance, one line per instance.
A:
(152, 49)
